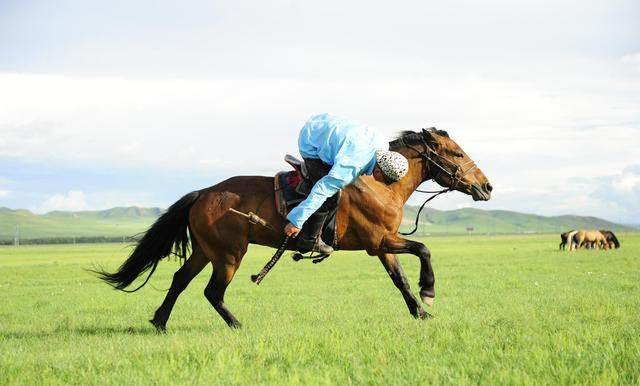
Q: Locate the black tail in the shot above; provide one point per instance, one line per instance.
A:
(166, 236)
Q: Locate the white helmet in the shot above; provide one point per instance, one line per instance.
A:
(392, 164)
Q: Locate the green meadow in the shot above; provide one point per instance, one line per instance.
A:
(509, 310)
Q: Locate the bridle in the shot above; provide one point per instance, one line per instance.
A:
(455, 176)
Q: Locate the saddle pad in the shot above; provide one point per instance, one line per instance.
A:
(287, 196)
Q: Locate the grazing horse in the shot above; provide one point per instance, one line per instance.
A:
(590, 238)
(368, 218)
(564, 239)
(571, 240)
(611, 239)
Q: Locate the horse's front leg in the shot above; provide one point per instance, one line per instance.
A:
(394, 269)
(397, 244)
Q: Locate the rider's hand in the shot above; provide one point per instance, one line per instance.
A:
(291, 230)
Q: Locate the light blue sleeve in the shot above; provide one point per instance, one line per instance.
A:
(339, 176)
(326, 187)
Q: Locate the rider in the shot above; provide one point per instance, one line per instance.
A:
(336, 152)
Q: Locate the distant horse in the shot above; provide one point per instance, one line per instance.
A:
(368, 218)
(611, 238)
(571, 240)
(590, 238)
(564, 239)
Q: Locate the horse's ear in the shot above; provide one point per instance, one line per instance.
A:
(428, 135)
(433, 130)
(428, 131)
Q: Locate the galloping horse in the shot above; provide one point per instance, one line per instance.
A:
(368, 218)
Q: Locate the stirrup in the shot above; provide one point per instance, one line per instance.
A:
(318, 246)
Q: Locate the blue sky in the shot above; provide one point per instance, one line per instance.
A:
(136, 103)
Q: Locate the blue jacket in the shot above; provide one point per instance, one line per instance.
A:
(348, 146)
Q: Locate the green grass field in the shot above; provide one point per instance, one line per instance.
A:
(509, 310)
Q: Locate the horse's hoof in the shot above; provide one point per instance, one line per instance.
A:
(427, 296)
(235, 325)
(320, 259)
(161, 328)
(297, 256)
(424, 315)
(427, 300)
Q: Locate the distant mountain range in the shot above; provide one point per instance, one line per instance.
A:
(115, 222)
(128, 221)
(500, 221)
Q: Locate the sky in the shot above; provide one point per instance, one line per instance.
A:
(123, 103)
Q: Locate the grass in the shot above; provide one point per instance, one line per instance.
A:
(509, 310)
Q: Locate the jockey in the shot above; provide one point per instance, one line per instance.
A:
(336, 152)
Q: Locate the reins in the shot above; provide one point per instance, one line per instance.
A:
(415, 225)
(455, 176)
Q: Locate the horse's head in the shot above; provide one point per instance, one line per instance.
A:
(446, 163)
(611, 239)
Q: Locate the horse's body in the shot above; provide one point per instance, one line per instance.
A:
(564, 239)
(590, 238)
(611, 239)
(368, 218)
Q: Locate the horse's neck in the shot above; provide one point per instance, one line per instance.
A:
(412, 180)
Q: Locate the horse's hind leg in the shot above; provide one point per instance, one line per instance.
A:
(222, 275)
(181, 279)
(394, 269)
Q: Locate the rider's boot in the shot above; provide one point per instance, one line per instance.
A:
(309, 237)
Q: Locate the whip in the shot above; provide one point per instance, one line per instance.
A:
(274, 259)
(255, 219)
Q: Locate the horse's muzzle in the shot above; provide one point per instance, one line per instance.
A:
(481, 192)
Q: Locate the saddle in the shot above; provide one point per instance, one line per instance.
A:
(292, 187)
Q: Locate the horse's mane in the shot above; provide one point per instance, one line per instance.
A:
(410, 137)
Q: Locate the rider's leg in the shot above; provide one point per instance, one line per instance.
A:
(316, 168)
(309, 238)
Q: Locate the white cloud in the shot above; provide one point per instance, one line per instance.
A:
(621, 190)
(632, 60)
(74, 200)
(6, 185)
(110, 199)
(627, 182)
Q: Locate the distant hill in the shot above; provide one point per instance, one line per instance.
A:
(115, 222)
(433, 221)
(128, 221)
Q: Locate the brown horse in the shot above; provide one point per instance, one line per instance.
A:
(590, 238)
(611, 239)
(368, 218)
(564, 239)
